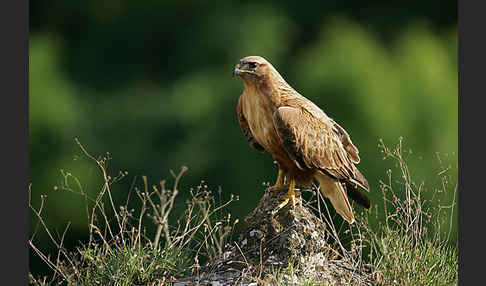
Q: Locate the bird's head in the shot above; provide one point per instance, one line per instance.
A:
(252, 68)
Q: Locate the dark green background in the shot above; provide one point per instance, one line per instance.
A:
(150, 82)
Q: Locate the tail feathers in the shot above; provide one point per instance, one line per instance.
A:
(357, 195)
(335, 192)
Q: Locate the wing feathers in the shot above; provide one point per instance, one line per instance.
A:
(318, 142)
(352, 151)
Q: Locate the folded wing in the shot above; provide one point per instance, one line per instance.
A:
(315, 141)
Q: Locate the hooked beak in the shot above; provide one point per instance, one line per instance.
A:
(238, 71)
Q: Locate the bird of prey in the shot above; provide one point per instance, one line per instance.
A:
(303, 140)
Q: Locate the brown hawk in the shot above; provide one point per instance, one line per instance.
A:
(303, 140)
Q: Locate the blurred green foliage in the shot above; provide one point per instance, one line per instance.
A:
(151, 84)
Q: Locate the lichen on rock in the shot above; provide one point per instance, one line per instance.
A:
(277, 241)
(283, 237)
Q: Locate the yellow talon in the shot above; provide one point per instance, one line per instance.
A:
(279, 184)
(288, 197)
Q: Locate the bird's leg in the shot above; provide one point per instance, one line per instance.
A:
(279, 184)
(288, 197)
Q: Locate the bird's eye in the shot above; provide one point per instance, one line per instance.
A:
(252, 65)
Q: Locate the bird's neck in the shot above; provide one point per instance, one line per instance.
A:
(273, 89)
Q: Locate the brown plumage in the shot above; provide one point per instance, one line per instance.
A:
(305, 142)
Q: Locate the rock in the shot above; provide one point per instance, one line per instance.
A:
(287, 239)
